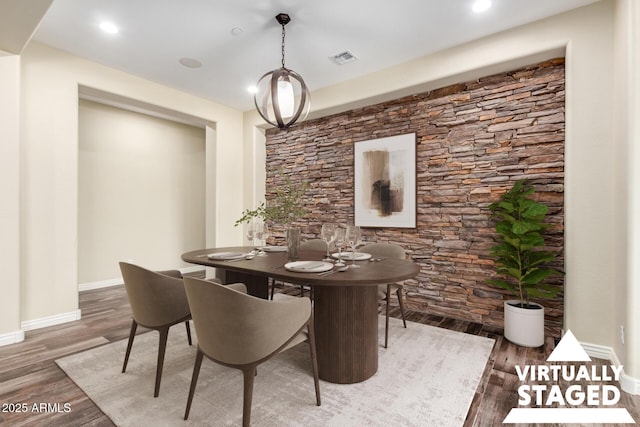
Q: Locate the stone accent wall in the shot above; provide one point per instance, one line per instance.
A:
(474, 140)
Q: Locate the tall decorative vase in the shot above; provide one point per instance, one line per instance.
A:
(524, 326)
(293, 243)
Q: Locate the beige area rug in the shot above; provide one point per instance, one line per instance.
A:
(427, 377)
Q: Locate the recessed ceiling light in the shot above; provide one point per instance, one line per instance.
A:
(109, 27)
(481, 5)
(252, 89)
(190, 62)
(236, 31)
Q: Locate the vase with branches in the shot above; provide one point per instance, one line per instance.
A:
(286, 206)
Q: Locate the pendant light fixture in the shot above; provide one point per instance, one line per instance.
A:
(282, 97)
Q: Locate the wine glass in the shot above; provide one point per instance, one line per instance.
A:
(339, 242)
(328, 234)
(353, 237)
(262, 234)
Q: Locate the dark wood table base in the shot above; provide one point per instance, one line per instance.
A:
(258, 286)
(346, 325)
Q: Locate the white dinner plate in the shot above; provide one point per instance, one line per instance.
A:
(275, 249)
(308, 266)
(227, 255)
(349, 256)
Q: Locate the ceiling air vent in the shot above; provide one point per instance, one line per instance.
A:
(344, 57)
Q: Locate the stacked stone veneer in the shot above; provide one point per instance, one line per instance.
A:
(474, 140)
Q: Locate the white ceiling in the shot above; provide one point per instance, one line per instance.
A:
(155, 34)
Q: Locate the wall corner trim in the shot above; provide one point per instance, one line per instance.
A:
(11, 338)
(628, 384)
(56, 319)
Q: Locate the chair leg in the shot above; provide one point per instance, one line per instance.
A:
(314, 359)
(132, 335)
(189, 332)
(249, 374)
(162, 346)
(301, 290)
(273, 286)
(194, 381)
(401, 304)
(386, 325)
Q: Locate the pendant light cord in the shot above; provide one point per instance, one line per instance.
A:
(283, 45)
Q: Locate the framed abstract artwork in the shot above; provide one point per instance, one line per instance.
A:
(385, 182)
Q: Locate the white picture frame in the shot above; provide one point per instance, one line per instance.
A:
(385, 182)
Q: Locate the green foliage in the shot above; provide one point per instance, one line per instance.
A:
(519, 257)
(285, 207)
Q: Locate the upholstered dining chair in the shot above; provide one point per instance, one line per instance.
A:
(314, 245)
(387, 250)
(241, 331)
(158, 301)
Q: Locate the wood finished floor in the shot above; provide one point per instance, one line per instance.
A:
(29, 374)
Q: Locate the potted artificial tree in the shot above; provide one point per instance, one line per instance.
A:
(522, 263)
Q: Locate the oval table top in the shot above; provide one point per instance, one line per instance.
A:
(386, 270)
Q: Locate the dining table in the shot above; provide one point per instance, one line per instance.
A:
(345, 301)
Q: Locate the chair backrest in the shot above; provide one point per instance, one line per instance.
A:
(235, 328)
(156, 299)
(171, 273)
(386, 250)
(314, 244)
(383, 250)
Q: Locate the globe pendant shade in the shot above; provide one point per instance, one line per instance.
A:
(285, 98)
(282, 98)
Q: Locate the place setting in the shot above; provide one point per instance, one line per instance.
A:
(342, 238)
(309, 266)
(351, 237)
(228, 256)
(231, 256)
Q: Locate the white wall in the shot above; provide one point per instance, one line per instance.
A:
(586, 37)
(10, 331)
(141, 191)
(49, 169)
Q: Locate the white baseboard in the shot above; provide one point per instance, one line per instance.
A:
(118, 281)
(11, 338)
(628, 384)
(600, 352)
(56, 319)
(194, 269)
(100, 284)
(28, 325)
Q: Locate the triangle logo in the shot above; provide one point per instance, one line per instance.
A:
(568, 350)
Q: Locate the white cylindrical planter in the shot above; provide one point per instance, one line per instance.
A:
(524, 326)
